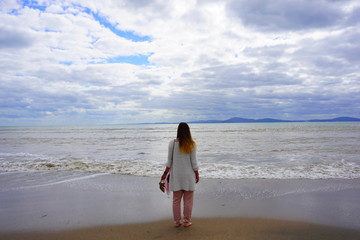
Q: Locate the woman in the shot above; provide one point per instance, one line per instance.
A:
(184, 173)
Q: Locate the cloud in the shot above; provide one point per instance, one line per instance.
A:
(88, 62)
(235, 76)
(278, 15)
(15, 38)
(354, 18)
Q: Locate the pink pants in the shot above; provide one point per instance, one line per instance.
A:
(188, 198)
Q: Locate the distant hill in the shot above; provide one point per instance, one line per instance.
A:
(272, 120)
(247, 120)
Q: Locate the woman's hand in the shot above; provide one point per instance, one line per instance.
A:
(162, 186)
(163, 177)
(197, 177)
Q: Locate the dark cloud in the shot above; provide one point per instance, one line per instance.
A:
(138, 4)
(266, 51)
(354, 18)
(320, 105)
(241, 76)
(150, 79)
(27, 97)
(57, 92)
(279, 15)
(336, 55)
(13, 38)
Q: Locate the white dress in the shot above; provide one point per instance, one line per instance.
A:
(182, 175)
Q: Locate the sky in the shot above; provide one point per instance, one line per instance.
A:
(125, 61)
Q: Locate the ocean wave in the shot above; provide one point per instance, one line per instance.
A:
(341, 169)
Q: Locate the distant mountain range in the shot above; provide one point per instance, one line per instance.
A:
(266, 120)
(272, 120)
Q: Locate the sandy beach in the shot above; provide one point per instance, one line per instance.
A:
(111, 206)
(206, 229)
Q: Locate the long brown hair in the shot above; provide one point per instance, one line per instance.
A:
(186, 143)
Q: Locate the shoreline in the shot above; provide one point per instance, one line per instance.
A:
(104, 200)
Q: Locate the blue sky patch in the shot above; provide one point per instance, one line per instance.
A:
(130, 35)
(135, 59)
(33, 5)
(14, 12)
(67, 63)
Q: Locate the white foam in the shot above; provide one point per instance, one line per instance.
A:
(274, 171)
(340, 169)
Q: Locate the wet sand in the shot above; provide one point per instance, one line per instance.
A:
(129, 207)
(205, 229)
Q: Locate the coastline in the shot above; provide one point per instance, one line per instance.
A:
(115, 201)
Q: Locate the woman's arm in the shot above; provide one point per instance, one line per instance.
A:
(194, 164)
(170, 154)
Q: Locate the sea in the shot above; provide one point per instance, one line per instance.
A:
(304, 150)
